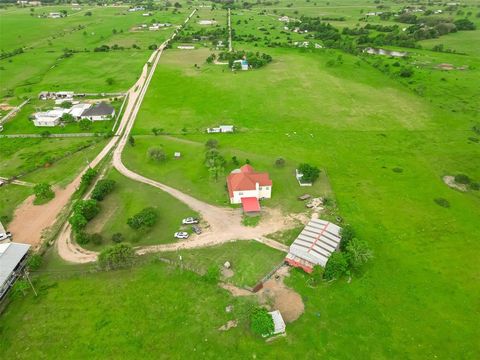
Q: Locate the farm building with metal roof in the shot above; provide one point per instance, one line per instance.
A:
(12, 261)
(317, 241)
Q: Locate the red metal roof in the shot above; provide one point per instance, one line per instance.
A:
(250, 204)
(246, 179)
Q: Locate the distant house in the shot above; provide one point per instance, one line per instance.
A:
(65, 95)
(221, 129)
(99, 112)
(207, 22)
(243, 64)
(247, 187)
(13, 257)
(49, 118)
(317, 241)
(77, 110)
(54, 15)
(146, 14)
(284, 19)
(186, 47)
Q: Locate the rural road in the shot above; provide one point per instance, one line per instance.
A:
(224, 223)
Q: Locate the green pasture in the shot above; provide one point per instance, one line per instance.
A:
(250, 261)
(383, 143)
(41, 66)
(129, 198)
(365, 124)
(54, 161)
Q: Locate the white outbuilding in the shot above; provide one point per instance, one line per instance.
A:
(278, 322)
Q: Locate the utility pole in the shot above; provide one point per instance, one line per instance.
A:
(230, 47)
(30, 282)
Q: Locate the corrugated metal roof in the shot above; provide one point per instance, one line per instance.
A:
(10, 256)
(317, 241)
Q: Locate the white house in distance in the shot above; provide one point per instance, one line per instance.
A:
(243, 64)
(49, 118)
(284, 19)
(54, 15)
(247, 187)
(221, 129)
(317, 241)
(99, 112)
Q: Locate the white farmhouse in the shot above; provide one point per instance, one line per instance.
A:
(246, 187)
(99, 112)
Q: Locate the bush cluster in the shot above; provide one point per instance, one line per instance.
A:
(144, 219)
(102, 189)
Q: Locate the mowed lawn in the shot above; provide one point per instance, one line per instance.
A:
(129, 198)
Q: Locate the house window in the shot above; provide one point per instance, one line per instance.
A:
(267, 188)
(240, 193)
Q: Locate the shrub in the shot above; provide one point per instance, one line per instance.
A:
(280, 162)
(462, 179)
(211, 144)
(82, 238)
(87, 208)
(87, 178)
(336, 267)
(131, 140)
(117, 238)
(85, 124)
(406, 72)
(116, 256)
(347, 234)
(43, 191)
(102, 189)
(261, 322)
(310, 173)
(442, 202)
(157, 154)
(96, 238)
(212, 275)
(67, 118)
(475, 186)
(358, 253)
(145, 218)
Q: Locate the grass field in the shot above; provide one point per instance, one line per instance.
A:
(126, 200)
(250, 261)
(44, 39)
(54, 161)
(364, 123)
(385, 142)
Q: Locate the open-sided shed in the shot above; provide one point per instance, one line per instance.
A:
(318, 240)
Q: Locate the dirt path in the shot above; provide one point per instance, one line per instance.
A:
(225, 223)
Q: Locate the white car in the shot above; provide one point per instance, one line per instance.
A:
(181, 235)
(189, 221)
(5, 236)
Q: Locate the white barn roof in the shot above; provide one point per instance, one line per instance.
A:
(318, 240)
(10, 256)
(278, 322)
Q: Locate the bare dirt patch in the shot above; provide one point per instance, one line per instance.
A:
(281, 297)
(230, 324)
(450, 181)
(275, 295)
(30, 221)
